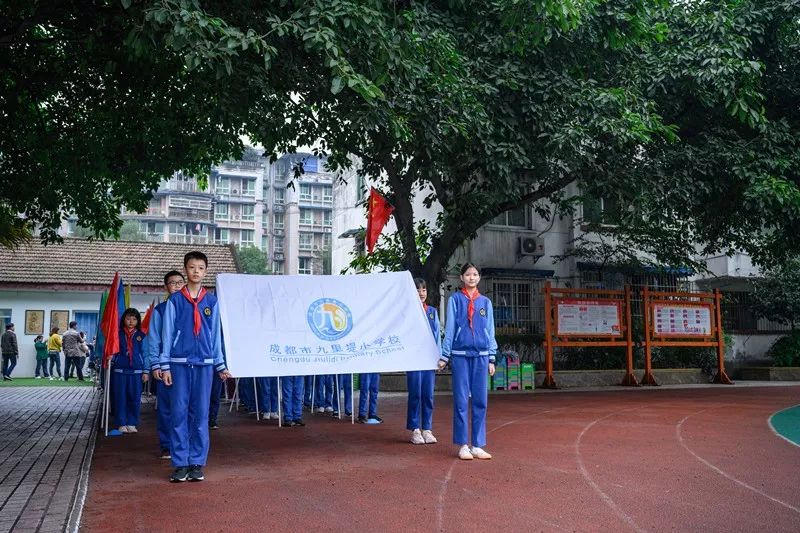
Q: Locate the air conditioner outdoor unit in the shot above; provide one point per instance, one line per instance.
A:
(234, 191)
(532, 246)
(235, 217)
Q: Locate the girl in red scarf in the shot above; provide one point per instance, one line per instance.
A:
(470, 347)
(128, 373)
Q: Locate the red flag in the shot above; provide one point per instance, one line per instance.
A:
(112, 314)
(145, 326)
(378, 213)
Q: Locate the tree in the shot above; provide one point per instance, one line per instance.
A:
(252, 260)
(777, 295)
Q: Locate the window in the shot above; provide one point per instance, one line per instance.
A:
(264, 242)
(223, 186)
(221, 212)
(326, 241)
(249, 188)
(600, 210)
(327, 218)
(515, 218)
(306, 216)
(222, 236)
(177, 228)
(512, 302)
(279, 245)
(5, 318)
(305, 192)
(277, 267)
(247, 237)
(306, 241)
(248, 212)
(278, 220)
(305, 266)
(280, 196)
(327, 193)
(361, 188)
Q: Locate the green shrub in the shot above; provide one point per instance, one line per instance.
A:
(786, 350)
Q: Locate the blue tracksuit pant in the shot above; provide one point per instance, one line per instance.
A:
(324, 391)
(127, 391)
(216, 392)
(345, 386)
(308, 382)
(268, 395)
(163, 415)
(292, 390)
(189, 395)
(247, 393)
(369, 389)
(470, 376)
(420, 399)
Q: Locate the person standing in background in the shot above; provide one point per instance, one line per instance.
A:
(10, 349)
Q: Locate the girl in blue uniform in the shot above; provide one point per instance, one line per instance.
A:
(129, 372)
(470, 347)
(421, 382)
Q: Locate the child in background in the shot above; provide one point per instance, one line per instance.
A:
(128, 372)
(421, 382)
(344, 384)
(368, 396)
(324, 393)
(470, 347)
(41, 357)
(292, 389)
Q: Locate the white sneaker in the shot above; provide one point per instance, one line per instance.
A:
(463, 453)
(132, 429)
(38, 377)
(123, 429)
(416, 437)
(329, 409)
(320, 409)
(428, 437)
(51, 378)
(479, 453)
(273, 416)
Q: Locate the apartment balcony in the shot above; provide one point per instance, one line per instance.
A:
(235, 223)
(316, 203)
(150, 214)
(278, 207)
(189, 239)
(191, 215)
(278, 232)
(277, 256)
(737, 266)
(184, 187)
(236, 197)
(316, 228)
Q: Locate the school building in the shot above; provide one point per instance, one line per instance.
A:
(46, 286)
(519, 252)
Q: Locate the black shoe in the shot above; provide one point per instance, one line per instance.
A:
(213, 425)
(348, 414)
(165, 454)
(196, 473)
(7, 378)
(361, 419)
(378, 419)
(180, 475)
(298, 422)
(288, 423)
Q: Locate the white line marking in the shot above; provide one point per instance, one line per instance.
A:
(721, 472)
(769, 423)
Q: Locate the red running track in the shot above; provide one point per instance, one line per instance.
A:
(634, 460)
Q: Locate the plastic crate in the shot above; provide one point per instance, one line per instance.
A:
(500, 379)
(528, 379)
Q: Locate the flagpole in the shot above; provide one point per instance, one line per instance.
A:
(352, 401)
(235, 393)
(255, 395)
(313, 388)
(108, 395)
(338, 398)
(280, 403)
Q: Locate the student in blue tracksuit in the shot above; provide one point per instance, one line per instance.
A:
(247, 394)
(470, 347)
(344, 383)
(368, 397)
(191, 352)
(324, 392)
(421, 382)
(173, 282)
(129, 372)
(268, 397)
(292, 390)
(308, 386)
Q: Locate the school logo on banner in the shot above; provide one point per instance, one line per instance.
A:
(329, 319)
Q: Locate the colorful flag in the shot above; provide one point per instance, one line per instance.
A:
(378, 213)
(109, 325)
(99, 340)
(145, 326)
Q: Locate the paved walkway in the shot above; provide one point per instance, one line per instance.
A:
(45, 436)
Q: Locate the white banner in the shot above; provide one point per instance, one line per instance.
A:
(303, 325)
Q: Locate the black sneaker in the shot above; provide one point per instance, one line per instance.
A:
(165, 454)
(361, 419)
(213, 425)
(288, 423)
(298, 422)
(181, 474)
(196, 473)
(377, 419)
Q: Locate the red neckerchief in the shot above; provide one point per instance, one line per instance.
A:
(471, 306)
(129, 341)
(200, 296)
(425, 307)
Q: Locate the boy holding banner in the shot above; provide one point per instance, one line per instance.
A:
(173, 282)
(191, 352)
